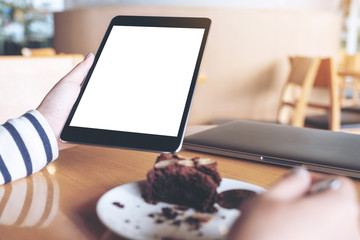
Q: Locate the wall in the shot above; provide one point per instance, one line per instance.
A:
(25, 81)
(245, 61)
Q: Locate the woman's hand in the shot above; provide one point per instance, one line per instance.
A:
(58, 103)
(289, 212)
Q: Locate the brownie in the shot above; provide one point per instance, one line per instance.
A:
(190, 182)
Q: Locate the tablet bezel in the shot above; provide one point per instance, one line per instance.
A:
(138, 141)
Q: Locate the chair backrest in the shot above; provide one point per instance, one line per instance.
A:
(349, 62)
(25, 81)
(307, 73)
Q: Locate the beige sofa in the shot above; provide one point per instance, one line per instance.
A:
(245, 62)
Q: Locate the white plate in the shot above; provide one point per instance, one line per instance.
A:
(131, 217)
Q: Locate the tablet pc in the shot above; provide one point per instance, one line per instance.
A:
(139, 90)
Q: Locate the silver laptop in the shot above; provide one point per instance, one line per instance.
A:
(318, 150)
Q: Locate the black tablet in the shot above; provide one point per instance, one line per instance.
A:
(139, 90)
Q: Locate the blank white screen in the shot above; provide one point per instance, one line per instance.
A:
(141, 80)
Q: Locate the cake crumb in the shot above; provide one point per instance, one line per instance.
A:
(169, 213)
(118, 204)
(195, 221)
(158, 221)
(177, 222)
(171, 238)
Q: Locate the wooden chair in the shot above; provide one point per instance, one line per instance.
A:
(307, 74)
(25, 81)
(349, 72)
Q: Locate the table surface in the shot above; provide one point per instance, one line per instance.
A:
(59, 202)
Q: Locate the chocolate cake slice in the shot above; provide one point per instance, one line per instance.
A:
(190, 182)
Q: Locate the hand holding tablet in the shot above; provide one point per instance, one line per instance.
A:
(138, 92)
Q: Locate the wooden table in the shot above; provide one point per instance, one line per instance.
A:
(59, 202)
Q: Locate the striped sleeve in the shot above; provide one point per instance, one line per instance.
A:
(27, 144)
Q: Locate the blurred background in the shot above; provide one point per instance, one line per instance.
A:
(245, 66)
(27, 23)
(30, 23)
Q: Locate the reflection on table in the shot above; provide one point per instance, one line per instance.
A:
(29, 202)
(60, 201)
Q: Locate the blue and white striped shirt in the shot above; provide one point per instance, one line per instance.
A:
(27, 144)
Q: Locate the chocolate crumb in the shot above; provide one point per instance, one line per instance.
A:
(151, 215)
(158, 221)
(202, 218)
(127, 221)
(177, 223)
(195, 221)
(169, 213)
(119, 204)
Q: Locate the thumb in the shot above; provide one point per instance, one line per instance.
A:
(78, 73)
(292, 186)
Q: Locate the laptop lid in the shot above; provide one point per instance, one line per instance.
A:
(318, 150)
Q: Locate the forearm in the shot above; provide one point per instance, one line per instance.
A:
(27, 144)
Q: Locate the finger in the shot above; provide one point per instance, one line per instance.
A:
(78, 73)
(317, 177)
(344, 187)
(341, 201)
(292, 186)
